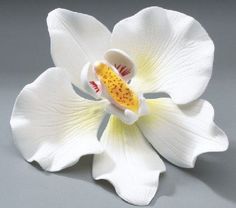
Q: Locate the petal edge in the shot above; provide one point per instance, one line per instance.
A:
(76, 39)
(52, 125)
(172, 51)
(182, 133)
(128, 162)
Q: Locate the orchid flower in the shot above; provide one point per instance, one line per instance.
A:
(155, 50)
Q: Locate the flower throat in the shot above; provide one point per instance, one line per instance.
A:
(117, 88)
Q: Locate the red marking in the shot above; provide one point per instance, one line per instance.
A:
(94, 86)
(123, 70)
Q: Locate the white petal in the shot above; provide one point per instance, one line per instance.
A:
(172, 52)
(181, 133)
(128, 162)
(126, 116)
(122, 62)
(52, 125)
(89, 82)
(75, 40)
(143, 109)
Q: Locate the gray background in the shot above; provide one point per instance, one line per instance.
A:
(24, 54)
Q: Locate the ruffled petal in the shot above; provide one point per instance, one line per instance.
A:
(52, 125)
(75, 40)
(172, 52)
(182, 133)
(128, 162)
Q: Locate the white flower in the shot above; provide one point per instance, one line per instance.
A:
(161, 51)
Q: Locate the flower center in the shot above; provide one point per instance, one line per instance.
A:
(117, 88)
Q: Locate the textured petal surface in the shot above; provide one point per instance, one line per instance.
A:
(128, 162)
(52, 125)
(181, 133)
(172, 52)
(75, 40)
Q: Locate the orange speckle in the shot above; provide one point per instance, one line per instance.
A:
(117, 88)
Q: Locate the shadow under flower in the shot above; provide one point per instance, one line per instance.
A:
(218, 172)
(166, 188)
(215, 170)
(83, 171)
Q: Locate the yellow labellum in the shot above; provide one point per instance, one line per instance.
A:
(117, 88)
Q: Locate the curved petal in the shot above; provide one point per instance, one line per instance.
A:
(128, 162)
(181, 133)
(126, 116)
(52, 125)
(172, 52)
(75, 40)
(89, 82)
(122, 62)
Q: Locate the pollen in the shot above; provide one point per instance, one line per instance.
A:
(117, 88)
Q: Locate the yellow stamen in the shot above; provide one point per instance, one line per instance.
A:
(117, 88)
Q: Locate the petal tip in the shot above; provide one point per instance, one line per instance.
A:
(54, 14)
(56, 11)
(145, 198)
